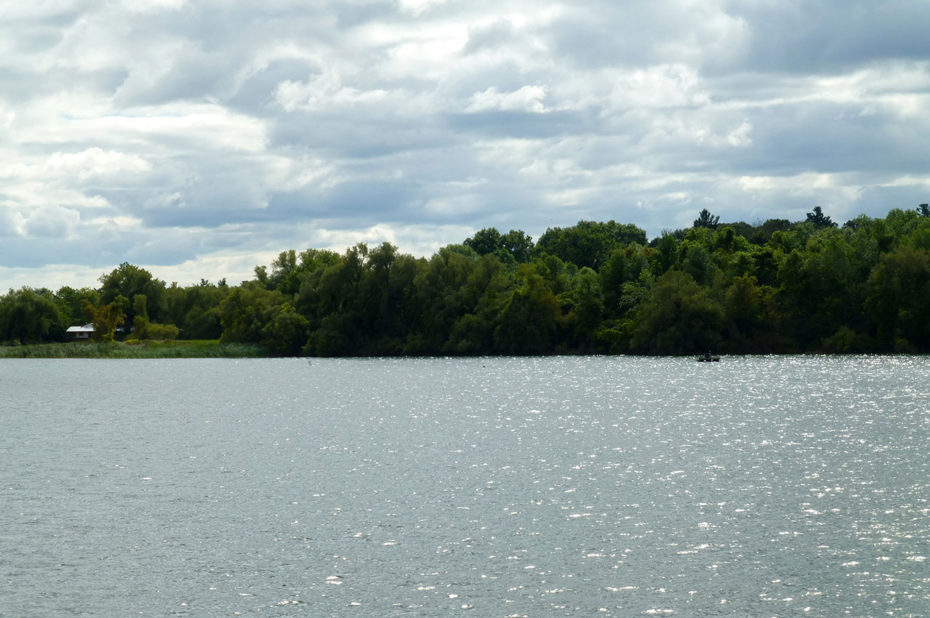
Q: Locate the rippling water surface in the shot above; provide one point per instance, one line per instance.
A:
(502, 487)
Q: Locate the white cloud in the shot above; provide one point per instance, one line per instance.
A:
(661, 87)
(526, 99)
(152, 6)
(740, 136)
(93, 163)
(203, 127)
(417, 7)
(324, 92)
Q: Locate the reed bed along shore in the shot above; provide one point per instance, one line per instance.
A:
(144, 349)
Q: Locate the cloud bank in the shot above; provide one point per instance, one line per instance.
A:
(200, 138)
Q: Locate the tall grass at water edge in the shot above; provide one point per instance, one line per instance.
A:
(148, 349)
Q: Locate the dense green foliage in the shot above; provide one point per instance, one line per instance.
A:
(774, 286)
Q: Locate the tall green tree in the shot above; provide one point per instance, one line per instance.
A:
(70, 303)
(128, 280)
(529, 319)
(678, 317)
(587, 303)
(438, 289)
(899, 299)
(195, 309)
(107, 318)
(822, 288)
(748, 308)
(140, 321)
(284, 331)
(519, 245)
(514, 246)
(487, 240)
(705, 219)
(243, 312)
(588, 243)
(28, 315)
(482, 298)
(819, 219)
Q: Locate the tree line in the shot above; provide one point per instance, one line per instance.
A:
(595, 287)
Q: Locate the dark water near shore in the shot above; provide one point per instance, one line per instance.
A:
(777, 486)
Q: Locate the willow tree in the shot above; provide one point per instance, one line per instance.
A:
(106, 318)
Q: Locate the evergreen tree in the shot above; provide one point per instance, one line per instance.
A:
(819, 219)
(705, 219)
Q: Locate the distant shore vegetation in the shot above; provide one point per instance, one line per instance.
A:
(147, 349)
(592, 288)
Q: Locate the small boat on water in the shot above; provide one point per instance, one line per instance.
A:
(708, 358)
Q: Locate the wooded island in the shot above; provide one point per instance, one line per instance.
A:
(773, 287)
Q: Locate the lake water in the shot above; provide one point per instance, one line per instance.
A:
(777, 486)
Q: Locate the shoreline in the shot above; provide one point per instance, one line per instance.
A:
(215, 349)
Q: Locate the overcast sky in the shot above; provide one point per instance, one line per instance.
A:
(200, 138)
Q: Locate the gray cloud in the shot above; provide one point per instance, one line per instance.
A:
(801, 37)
